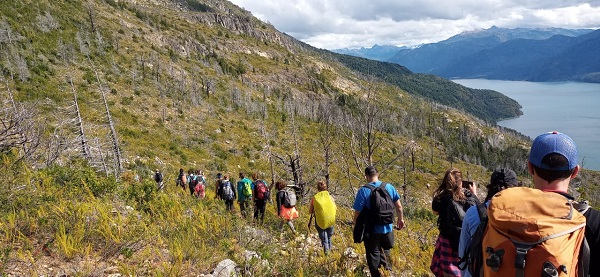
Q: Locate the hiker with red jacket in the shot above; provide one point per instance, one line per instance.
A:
(260, 196)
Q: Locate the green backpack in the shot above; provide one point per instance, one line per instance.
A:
(247, 190)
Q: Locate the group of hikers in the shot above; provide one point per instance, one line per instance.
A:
(256, 192)
(515, 231)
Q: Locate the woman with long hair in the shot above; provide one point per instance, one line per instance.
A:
(285, 210)
(450, 201)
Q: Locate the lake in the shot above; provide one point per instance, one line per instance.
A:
(569, 107)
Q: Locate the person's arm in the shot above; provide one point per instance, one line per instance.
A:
(311, 206)
(356, 213)
(400, 223)
(278, 203)
(435, 206)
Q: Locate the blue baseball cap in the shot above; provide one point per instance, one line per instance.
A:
(553, 142)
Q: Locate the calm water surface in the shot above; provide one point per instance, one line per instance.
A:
(569, 107)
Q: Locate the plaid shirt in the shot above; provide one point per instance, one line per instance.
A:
(444, 261)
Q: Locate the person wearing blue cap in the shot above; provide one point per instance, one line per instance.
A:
(553, 163)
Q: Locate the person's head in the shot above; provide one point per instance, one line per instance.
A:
(321, 186)
(157, 171)
(371, 173)
(553, 157)
(181, 171)
(242, 175)
(226, 177)
(452, 183)
(281, 184)
(219, 175)
(502, 178)
(255, 176)
(190, 172)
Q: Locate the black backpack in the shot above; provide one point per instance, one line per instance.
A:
(382, 206)
(158, 177)
(472, 259)
(226, 190)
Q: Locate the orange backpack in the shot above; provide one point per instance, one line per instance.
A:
(532, 233)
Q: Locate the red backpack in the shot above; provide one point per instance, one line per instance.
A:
(262, 191)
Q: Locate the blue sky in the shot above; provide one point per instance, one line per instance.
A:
(332, 24)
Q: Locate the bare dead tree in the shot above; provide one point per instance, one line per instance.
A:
(47, 23)
(327, 134)
(18, 130)
(91, 13)
(111, 125)
(363, 131)
(85, 149)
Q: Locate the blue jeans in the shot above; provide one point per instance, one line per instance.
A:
(325, 236)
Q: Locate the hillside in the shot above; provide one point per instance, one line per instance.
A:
(99, 94)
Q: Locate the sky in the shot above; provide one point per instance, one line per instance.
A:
(335, 24)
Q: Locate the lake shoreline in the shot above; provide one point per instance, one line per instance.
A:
(567, 107)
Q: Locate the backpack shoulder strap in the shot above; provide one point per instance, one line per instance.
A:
(482, 211)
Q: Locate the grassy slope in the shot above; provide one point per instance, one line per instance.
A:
(156, 64)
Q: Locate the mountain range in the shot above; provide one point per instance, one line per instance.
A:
(551, 54)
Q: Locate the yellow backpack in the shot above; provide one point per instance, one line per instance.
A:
(324, 209)
(532, 233)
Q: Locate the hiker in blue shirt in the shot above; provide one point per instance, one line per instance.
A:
(380, 239)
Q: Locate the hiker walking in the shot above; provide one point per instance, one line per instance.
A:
(374, 207)
(543, 231)
(450, 201)
(323, 207)
(181, 179)
(244, 194)
(227, 192)
(218, 186)
(158, 178)
(199, 185)
(286, 205)
(501, 179)
(260, 196)
(191, 181)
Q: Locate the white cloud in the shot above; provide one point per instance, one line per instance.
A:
(334, 24)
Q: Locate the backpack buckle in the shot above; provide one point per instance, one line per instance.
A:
(495, 259)
(520, 257)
